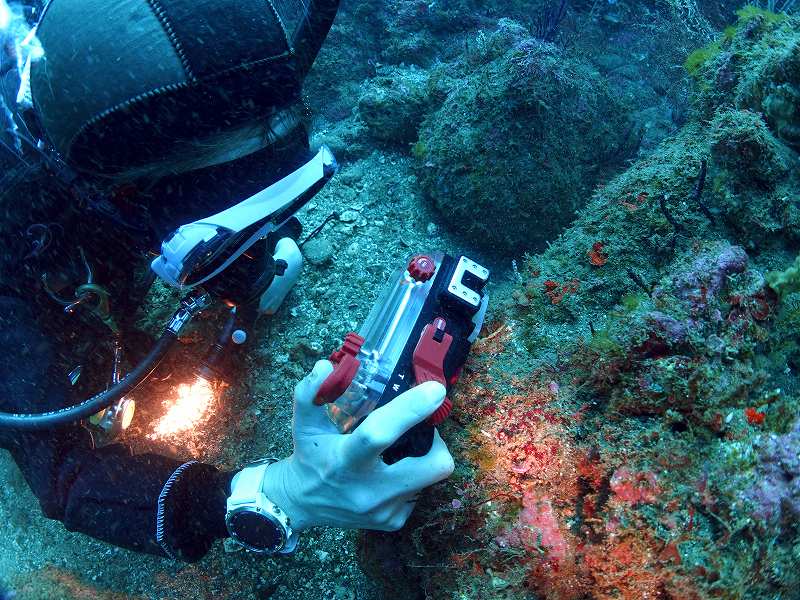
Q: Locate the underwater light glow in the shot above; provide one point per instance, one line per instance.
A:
(5, 15)
(191, 406)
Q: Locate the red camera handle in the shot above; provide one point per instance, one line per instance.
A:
(345, 367)
(428, 365)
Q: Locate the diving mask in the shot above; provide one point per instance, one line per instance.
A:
(203, 252)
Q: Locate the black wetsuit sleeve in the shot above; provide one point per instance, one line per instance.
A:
(149, 503)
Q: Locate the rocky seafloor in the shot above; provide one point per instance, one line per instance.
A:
(627, 426)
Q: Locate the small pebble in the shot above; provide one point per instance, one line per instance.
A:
(348, 216)
(322, 555)
(318, 251)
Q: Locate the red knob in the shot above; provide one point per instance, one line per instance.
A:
(346, 366)
(438, 417)
(421, 268)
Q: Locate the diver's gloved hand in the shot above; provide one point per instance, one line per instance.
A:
(340, 480)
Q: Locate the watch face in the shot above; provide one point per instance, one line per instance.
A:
(256, 531)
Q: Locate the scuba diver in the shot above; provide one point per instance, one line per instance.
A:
(123, 130)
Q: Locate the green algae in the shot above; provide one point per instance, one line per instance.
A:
(750, 12)
(702, 56)
(787, 281)
(746, 15)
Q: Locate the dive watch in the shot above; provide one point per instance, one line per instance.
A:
(253, 520)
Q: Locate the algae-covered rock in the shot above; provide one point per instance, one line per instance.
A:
(394, 103)
(772, 82)
(742, 143)
(754, 175)
(519, 142)
(609, 444)
(623, 464)
(754, 65)
(785, 282)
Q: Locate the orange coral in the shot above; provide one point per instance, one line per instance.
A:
(635, 488)
(541, 483)
(753, 416)
(596, 255)
(624, 568)
(556, 291)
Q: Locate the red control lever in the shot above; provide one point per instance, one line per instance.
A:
(345, 367)
(428, 362)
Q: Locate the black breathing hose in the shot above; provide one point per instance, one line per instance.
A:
(90, 406)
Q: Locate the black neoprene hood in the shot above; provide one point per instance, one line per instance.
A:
(122, 84)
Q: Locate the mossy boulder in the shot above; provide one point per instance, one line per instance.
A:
(393, 104)
(754, 65)
(754, 176)
(773, 84)
(742, 143)
(519, 142)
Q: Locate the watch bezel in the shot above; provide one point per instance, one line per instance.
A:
(261, 512)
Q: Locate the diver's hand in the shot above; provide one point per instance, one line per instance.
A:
(340, 480)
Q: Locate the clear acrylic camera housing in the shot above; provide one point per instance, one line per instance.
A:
(386, 332)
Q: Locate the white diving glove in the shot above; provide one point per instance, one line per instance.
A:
(340, 480)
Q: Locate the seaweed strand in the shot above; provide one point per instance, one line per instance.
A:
(637, 279)
(698, 192)
(662, 202)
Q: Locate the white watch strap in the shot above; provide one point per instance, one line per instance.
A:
(247, 484)
(246, 491)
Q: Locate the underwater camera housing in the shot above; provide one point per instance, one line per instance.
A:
(420, 329)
